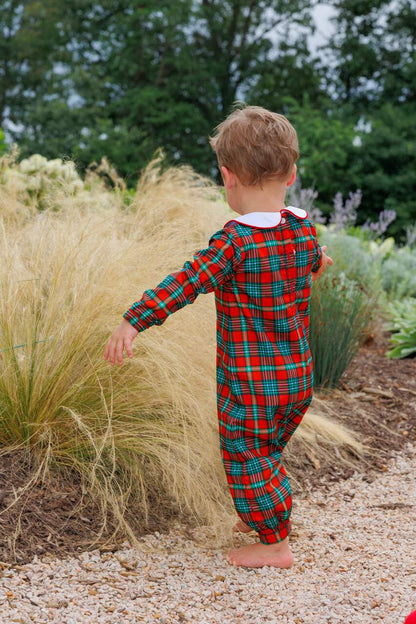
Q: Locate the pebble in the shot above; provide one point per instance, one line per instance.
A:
(354, 547)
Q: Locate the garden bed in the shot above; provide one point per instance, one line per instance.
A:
(377, 399)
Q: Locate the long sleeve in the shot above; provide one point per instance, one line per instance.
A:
(208, 270)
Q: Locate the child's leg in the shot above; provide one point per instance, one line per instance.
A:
(261, 495)
(251, 449)
(287, 426)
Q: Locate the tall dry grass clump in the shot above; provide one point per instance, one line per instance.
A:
(145, 432)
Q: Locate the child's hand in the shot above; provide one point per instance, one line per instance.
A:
(121, 339)
(326, 260)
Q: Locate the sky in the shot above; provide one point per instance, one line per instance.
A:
(324, 29)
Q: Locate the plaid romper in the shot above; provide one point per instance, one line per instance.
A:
(259, 266)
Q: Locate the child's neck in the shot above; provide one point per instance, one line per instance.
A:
(270, 197)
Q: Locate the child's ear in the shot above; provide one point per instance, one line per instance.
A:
(292, 176)
(228, 177)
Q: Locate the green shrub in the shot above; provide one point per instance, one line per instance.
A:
(399, 274)
(341, 313)
(3, 146)
(343, 302)
(403, 325)
(358, 258)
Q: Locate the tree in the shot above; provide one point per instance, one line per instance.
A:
(384, 165)
(30, 35)
(134, 77)
(373, 80)
(399, 61)
(326, 150)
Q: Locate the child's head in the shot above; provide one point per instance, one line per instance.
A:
(256, 145)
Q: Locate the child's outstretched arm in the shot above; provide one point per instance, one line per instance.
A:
(208, 270)
(325, 261)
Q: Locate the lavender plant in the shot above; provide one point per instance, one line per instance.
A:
(345, 215)
(304, 198)
(376, 229)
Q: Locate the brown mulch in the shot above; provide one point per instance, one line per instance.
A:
(376, 399)
(56, 514)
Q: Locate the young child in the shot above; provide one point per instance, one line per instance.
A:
(260, 266)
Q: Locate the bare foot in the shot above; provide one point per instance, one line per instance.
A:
(242, 527)
(258, 555)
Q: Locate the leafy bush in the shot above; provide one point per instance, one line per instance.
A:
(36, 178)
(344, 302)
(399, 273)
(2, 142)
(359, 259)
(403, 325)
(341, 313)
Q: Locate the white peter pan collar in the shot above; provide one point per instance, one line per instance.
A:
(268, 219)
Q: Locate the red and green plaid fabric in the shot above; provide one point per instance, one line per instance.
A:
(261, 277)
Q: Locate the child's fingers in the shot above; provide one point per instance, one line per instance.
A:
(119, 351)
(128, 346)
(109, 351)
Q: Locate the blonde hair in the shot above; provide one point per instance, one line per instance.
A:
(256, 145)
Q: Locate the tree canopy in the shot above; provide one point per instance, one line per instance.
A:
(120, 79)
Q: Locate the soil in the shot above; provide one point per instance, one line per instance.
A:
(376, 399)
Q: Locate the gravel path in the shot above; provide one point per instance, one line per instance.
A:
(355, 551)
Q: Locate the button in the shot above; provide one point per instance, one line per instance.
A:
(283, 220)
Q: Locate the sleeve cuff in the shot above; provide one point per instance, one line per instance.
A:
(318, 262)
(136, 322)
